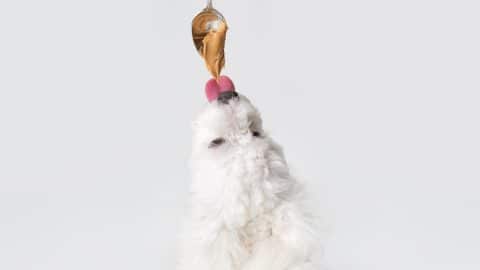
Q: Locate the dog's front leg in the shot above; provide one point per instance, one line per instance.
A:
(276, 254)
(290, 245)
(212, 247)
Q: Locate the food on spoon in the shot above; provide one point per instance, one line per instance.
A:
(209, 31)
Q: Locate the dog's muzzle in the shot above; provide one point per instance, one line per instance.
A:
(225, 97)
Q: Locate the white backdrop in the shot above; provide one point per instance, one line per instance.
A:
(375, 102)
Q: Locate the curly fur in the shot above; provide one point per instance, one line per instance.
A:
(246, 211)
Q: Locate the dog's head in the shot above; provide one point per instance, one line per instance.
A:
(226, 125)
(229, 142)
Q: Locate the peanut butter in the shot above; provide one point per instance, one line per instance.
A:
(209, 31)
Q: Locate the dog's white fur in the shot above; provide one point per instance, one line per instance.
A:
(246, 211)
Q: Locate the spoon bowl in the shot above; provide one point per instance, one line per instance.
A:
(207, 20)
(209, 29)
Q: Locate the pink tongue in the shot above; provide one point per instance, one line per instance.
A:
(225, 84)
(213, 88)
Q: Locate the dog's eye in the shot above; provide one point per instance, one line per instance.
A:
(216, 142)
(256, 134)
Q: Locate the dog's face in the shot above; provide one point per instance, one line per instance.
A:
(226, 125)
(229, 142)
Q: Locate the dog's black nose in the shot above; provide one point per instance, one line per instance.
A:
(225, 97)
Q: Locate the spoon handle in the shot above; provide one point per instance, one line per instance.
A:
(209, 4)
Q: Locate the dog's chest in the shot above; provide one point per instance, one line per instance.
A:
(256, 230)
(254, 207)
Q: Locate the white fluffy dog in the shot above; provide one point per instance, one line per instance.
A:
(246, 211)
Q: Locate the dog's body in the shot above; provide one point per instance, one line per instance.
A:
(245, 212)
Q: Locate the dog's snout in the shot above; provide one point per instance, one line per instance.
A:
(225, 97)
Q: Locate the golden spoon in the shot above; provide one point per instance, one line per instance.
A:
(209, 29)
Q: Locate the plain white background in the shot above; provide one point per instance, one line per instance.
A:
(375, 102)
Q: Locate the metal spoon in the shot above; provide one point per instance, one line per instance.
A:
(209, 32)
(207, 20)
